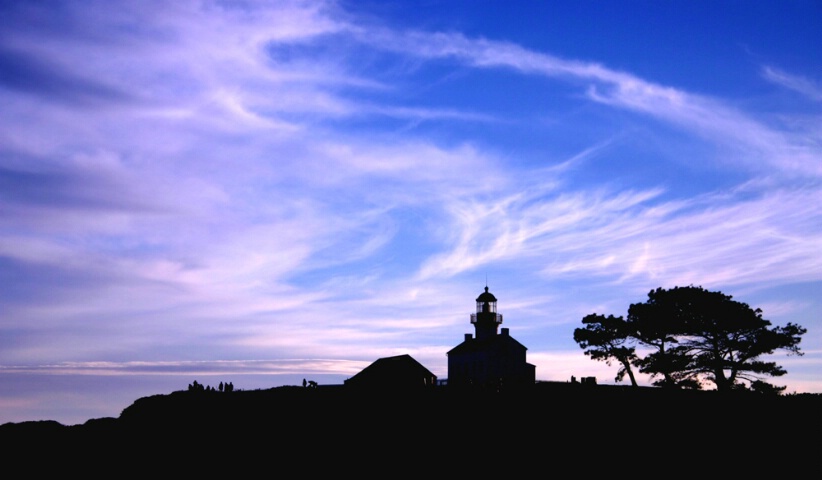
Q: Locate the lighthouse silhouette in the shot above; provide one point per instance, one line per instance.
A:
(491, 358)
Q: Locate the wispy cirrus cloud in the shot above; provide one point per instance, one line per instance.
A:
(235, 87)
(755, 141)
(719, 238)
(799, 84)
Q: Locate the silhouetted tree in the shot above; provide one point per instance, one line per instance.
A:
(658, 325)
(604, 339)
(695, 336)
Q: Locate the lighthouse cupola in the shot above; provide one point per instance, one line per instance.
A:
(486, 319)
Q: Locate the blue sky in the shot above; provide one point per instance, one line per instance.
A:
(261, 192)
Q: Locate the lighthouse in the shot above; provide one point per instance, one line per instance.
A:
(491, 358)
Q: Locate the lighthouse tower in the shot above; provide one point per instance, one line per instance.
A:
(486, 320)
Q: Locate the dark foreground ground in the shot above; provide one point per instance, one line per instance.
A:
(332, 429)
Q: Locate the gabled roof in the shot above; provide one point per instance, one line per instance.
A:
(400, 370)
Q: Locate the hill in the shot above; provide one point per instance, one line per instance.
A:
(552, 422)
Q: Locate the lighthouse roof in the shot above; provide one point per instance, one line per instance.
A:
(486, 296)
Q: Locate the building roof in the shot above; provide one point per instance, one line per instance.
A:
(397, 371)
(491, 343)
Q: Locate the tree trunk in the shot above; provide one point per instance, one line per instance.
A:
(630, 372)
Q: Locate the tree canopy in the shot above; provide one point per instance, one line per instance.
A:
(694, 338)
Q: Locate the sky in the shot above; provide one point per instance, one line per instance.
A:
(259, 192)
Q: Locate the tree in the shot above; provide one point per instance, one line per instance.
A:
(694, 336)
(658, 325)
(604, 340)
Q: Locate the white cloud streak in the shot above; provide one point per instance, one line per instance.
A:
(796, 83)
(707, 117)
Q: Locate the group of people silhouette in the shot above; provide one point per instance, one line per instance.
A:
(310, 383)
(199, 387)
